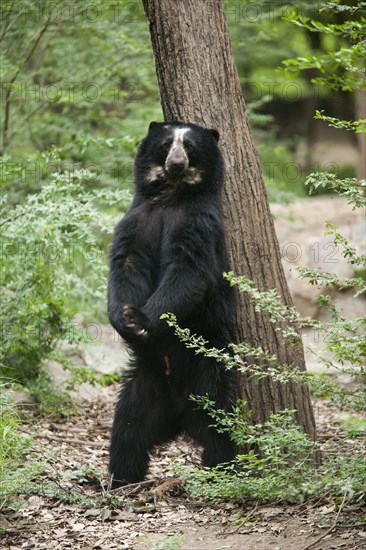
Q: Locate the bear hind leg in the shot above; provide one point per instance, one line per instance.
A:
(143, 419)
(220, 386)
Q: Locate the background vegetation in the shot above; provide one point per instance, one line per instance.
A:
(78, 91)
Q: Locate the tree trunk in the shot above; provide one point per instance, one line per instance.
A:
(360, 113)
(199, 83)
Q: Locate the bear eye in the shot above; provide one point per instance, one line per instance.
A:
(188, 146)
(166, 144)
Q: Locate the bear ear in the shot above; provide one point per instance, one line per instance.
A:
(153, 125)
(215, 134)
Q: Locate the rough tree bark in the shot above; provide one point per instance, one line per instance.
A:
(198, 83)
(360, 113)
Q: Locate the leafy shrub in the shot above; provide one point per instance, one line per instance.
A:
(52, 258)
(16, 470)
(278, 466)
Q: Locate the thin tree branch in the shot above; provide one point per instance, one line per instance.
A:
(11, 23)
(331, 528)
(133, 485)
(31, 49)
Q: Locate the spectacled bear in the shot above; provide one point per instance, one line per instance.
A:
(168, 254)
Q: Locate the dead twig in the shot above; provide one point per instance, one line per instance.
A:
(350, 526)
(73, 441)
(306, 507)
(133, 486)
(248, 516)
(331, 528)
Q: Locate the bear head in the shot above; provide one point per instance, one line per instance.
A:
(176, 155)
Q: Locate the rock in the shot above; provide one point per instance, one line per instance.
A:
(105, 353)
(19, 397)
(300, 229)
(108, 353)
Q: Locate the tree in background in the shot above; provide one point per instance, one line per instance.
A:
(338, 69)
(198, 82)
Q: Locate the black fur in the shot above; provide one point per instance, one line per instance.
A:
(168, 255)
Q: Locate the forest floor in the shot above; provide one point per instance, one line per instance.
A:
(158, 514)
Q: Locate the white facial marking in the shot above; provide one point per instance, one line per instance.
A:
(178, 136)
(155, 173)
(177, 147)
(193, 176)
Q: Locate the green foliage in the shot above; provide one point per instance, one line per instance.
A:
(80, 375)
(338, 66)
(349, 188)
(47, 86)
(279, 466)
(358, 126)
(18, 465)
(339, 69)
(354, 425)
(343, 337)
(261, 39)
(70, 126)
(168, 542)
(51, 247)
(25, 468)
(282, 176)
(48, 399)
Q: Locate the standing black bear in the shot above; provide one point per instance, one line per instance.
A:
(168, 255)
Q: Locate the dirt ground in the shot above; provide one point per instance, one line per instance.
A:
(158, 514)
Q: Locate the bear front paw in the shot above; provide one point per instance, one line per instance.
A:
(134, 324)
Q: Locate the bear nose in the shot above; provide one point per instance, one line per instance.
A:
(177, 167)
(176, 162)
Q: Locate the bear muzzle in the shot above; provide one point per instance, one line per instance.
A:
(176, 162)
